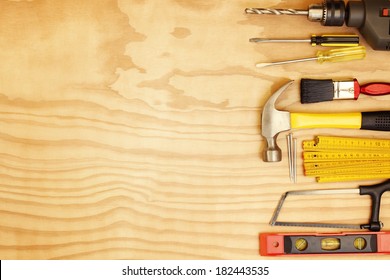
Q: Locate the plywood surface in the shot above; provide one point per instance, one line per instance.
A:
(131, 129)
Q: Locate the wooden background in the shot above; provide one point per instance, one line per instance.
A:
(131, 129)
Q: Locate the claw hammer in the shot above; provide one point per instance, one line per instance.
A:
(274, 121)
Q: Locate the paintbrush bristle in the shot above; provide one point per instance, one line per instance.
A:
(313, 91)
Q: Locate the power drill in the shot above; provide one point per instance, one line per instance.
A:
(371, 17)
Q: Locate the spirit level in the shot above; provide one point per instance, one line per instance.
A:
(277, 244)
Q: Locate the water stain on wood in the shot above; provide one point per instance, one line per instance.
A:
(181, 32)
(55, 44)
(197, 5)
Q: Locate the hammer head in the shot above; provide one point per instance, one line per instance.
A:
(272, 123)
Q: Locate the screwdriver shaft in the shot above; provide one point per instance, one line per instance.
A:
(265, 64)
(261, 40)
(263, 11)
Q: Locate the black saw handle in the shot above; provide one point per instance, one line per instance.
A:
(375, 192)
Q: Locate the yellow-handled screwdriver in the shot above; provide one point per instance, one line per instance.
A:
(334, 55)
(322, 40)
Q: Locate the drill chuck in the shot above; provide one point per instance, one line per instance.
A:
(329, 13)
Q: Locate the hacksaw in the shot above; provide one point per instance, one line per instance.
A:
(374, 191)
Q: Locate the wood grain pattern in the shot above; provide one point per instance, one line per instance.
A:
(131, 129)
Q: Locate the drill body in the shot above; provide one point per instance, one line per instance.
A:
(372, 18)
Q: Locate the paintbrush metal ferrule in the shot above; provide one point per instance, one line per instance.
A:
(344, 90)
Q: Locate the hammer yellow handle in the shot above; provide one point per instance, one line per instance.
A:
(339, 120)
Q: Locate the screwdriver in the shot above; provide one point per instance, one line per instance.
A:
(334, 55)
(323, 40)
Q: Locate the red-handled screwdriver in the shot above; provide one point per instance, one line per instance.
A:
(313, 91)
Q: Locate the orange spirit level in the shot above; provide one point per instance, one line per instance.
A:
(277, 244)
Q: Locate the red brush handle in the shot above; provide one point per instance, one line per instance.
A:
(375, 88)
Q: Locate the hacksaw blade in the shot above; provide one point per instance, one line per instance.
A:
(274, 218)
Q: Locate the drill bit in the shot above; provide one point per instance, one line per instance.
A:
(329, 12)
(263, 11)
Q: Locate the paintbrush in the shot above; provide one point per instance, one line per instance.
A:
(313, 91)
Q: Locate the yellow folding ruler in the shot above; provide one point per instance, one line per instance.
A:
(341, 143)
(335, 159)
